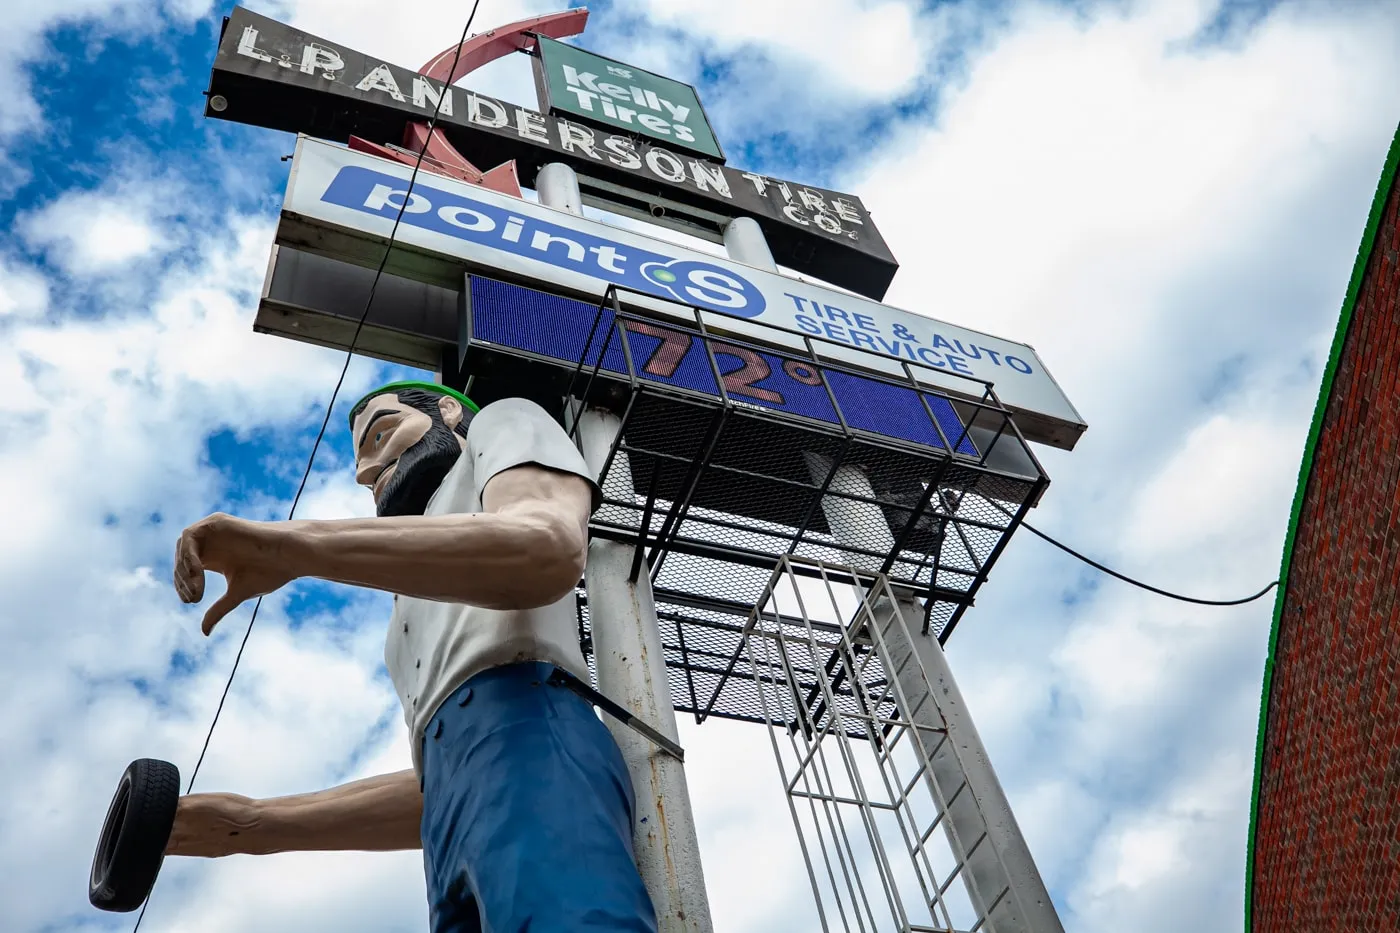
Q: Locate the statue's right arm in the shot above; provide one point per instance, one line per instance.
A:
(376, 814)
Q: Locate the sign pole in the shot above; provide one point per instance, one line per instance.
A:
(631, 665)
(1006, 861)
(557, 186)
(744, 242)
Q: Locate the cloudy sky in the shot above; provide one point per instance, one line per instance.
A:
(1164, 197)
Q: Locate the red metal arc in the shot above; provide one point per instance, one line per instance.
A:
(492, 44)
(439, 155)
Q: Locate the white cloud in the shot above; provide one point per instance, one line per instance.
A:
(1217, 482)
(107, 417)
(24, 293)
(1150, 860)
(90, 232)
(335, 495)
(753, 867)
(24, 41)
(1074, 145)
(854, 48)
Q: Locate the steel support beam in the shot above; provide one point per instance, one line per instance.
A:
(1003, 860)
(631, 665)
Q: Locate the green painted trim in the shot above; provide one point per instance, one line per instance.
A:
(412, 384)
(1324, 396)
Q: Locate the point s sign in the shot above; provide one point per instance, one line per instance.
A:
(608, 93)
(498, 227)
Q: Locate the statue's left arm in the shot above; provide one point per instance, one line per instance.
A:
(526, 549)
(377, 814)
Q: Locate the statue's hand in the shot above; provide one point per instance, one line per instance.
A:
(245, 552)
(214, 825)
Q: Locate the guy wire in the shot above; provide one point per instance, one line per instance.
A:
(1127, 579)
(1146, 586)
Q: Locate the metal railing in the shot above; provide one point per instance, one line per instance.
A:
(713, 487)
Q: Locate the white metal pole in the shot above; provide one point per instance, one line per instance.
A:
(631, 665)
(632, 671)
(1031, 909)
(557, 186)
(744, 242)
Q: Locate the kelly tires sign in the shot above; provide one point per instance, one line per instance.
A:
(452, 227)
(607, 92)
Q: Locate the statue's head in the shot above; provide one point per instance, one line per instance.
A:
(407, 435)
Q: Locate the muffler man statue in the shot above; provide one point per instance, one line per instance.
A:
(518, 795)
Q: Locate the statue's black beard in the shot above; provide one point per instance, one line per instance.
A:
(420, 472)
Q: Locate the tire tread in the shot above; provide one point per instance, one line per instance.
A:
(142, 836)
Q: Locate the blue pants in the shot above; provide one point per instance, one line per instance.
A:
(527, 812)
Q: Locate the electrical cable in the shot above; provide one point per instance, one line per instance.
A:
(1138, 583)
(330, 405)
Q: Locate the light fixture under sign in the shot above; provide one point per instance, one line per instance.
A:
(218, 103)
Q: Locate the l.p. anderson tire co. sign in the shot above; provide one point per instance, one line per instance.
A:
(271, 75)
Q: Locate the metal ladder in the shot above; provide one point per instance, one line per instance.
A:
(878, 755)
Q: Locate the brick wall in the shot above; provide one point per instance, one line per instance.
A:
(1327, 842)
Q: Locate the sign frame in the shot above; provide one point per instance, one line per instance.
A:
(326, 178)
(271, 75)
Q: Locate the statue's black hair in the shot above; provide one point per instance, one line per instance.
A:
(421, 399)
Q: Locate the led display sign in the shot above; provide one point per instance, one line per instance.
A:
(559, 329)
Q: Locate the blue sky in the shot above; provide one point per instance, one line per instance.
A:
(1162, 196)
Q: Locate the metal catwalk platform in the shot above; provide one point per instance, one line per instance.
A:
(735, 453)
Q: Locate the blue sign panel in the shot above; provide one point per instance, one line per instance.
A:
(475, 220)
(523, 319)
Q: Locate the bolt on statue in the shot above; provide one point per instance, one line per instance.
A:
(518, 795)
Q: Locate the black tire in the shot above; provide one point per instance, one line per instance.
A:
(132, 845)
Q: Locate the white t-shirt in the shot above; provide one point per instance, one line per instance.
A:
(433, 647)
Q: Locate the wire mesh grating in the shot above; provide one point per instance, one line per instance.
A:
(714, 495)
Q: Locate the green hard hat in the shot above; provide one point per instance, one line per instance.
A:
(435, 387)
